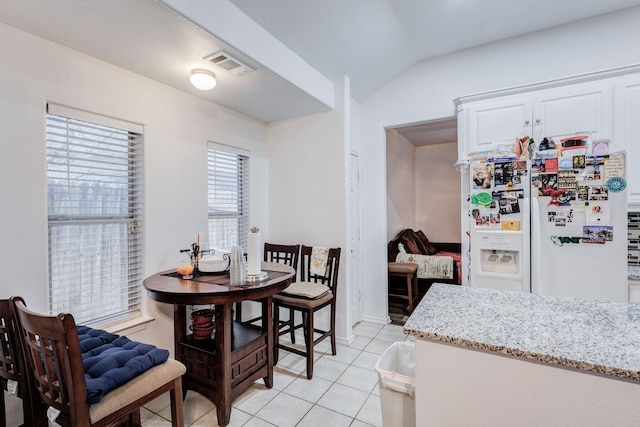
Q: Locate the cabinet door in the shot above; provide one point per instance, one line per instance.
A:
(579, 108)
(496, 123)
(627, 132)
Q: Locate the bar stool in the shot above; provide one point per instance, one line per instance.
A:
(409, 272)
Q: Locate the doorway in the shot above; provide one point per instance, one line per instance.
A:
(423, 187)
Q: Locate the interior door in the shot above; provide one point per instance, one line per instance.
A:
(354, 240)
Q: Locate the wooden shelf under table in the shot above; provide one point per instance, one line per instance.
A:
(248, 361)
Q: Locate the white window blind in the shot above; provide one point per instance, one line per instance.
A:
(228, 198)
(94, 182)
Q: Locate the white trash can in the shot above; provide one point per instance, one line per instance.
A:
(397, 384)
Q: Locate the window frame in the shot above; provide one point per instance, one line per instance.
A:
(123, 136)
(222, 161)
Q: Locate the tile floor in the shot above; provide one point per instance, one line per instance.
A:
(343, 392)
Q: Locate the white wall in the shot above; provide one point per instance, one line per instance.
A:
(307, 190)
(423, 188)
(401, 184)
(177, 127)
(438, 199)
(426, 92)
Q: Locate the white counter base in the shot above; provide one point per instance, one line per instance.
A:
(461, 386)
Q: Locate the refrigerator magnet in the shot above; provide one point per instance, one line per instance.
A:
(482, 177)
(597, 213)
(565, 163)
(599, 193)
(567, 212)
(551, 165)
(616, 184)
(513, 225)
(600, 146)
(582, 194)
(597, 234)
(614, 166)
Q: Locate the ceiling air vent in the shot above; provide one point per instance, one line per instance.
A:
(225, 61)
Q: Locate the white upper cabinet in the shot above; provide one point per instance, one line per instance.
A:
(556, 112)
(606, 105)
(626, 113)
(579, 108)
(497, 122)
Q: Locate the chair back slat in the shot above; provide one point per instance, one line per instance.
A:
(283, 254)
(54, 362)
(10, 358)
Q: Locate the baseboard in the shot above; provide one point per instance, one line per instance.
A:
(379, 320)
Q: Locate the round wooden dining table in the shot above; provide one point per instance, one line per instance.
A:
(224, 366)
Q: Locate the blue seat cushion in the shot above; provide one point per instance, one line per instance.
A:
(111, 360)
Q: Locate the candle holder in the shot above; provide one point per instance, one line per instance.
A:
(194, 255)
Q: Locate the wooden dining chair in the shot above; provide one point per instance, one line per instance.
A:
(12, 369)
(55, 369)
(310, 294)
(283, 254)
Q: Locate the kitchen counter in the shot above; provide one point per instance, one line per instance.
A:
(490, 357)
(594, 336)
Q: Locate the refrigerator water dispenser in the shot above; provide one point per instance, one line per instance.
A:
(497, 260)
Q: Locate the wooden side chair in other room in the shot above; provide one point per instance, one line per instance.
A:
(409, 292)
(54, 366)
(12, 369)
(316, 290)
(283, 254)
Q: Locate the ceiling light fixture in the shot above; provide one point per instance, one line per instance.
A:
(203, 79)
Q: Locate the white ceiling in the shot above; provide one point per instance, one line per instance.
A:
(433, 132)
(371, 41)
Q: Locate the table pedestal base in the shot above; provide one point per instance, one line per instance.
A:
(221, 369)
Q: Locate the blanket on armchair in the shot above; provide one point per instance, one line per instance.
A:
(429, 266)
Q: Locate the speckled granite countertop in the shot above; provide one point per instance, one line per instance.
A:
(634, 272)
(593, 336)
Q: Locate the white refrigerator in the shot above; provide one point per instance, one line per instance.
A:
(570, 237)
(579, 234)
(499, 224)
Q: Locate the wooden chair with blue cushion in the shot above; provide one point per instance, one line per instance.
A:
(56, 369)
(315, 291)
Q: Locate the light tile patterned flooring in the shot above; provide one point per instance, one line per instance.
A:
(343, 392)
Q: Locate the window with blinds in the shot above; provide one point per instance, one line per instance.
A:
(94, 192)
(228, 197)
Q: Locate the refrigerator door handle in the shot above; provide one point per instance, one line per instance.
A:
(536, 286)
